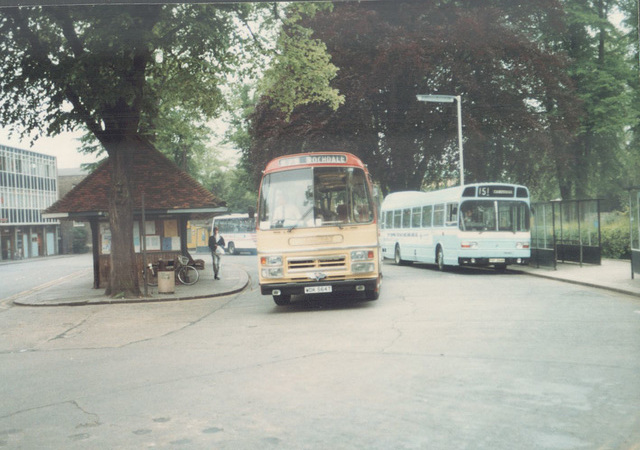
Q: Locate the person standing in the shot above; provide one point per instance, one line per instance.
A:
(216, 245)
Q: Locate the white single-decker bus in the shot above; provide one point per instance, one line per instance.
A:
(484, 224)
(238, 231)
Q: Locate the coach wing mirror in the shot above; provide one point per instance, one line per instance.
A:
(377, 199)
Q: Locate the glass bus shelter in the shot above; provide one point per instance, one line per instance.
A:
(566, 231)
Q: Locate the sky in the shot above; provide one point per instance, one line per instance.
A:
(64, 147)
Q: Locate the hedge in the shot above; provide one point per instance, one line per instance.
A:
(615, 238)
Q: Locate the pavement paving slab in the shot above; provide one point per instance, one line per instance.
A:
(613, 275)
(77, 290)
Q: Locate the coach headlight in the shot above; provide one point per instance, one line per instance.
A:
(363, 267)
(271, 266)
(362, 255)
(272, 272)
(271, 260)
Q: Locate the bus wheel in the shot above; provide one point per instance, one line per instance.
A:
(398, 260)
(282, 300)
(440, 259)
(231, 248)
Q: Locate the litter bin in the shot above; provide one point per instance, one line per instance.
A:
(166, 282)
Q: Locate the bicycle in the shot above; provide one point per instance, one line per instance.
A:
(186, 273)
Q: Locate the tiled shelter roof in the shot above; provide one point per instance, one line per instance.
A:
(166, 188)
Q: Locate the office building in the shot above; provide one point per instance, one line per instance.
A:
(28, 185)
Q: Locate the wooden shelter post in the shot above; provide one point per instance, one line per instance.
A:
(183, 221)
(95, 249)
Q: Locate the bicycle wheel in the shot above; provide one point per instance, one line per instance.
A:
(188, 275)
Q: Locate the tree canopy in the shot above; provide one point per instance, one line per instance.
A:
(122, 73)
(545, 93)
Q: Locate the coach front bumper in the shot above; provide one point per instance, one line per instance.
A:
(339, 287)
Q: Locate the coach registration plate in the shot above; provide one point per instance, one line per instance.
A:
(496, 260)
(317, 289)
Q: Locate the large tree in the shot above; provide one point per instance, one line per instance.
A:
(603, 78)
(630, 160)
(516, 96)
(119, 71)
(104, 68)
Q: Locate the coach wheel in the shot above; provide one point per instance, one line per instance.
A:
(282, 300)
(231, 248)
(440, 259)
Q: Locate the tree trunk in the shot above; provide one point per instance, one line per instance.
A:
(95, 250)
(123, 279)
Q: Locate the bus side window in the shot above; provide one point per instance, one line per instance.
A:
(397, 219)
(416, 218)
(426, 216)
(438, 215)
(452, 214)
(406, 218)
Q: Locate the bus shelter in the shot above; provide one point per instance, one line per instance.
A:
(566, 231)
(165, 199)
(634, 229)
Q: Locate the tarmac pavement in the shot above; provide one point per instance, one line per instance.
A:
(76, 289)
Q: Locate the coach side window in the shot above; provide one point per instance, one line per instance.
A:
(397, 219)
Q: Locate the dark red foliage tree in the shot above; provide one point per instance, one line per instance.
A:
(517, 103)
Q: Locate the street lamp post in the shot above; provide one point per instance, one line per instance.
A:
(449, 99)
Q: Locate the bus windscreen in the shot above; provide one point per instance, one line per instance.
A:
(494, 215)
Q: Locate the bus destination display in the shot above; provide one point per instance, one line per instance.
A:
(313, 159)
(495, 191)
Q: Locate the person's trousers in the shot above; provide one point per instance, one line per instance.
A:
(216, 263)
